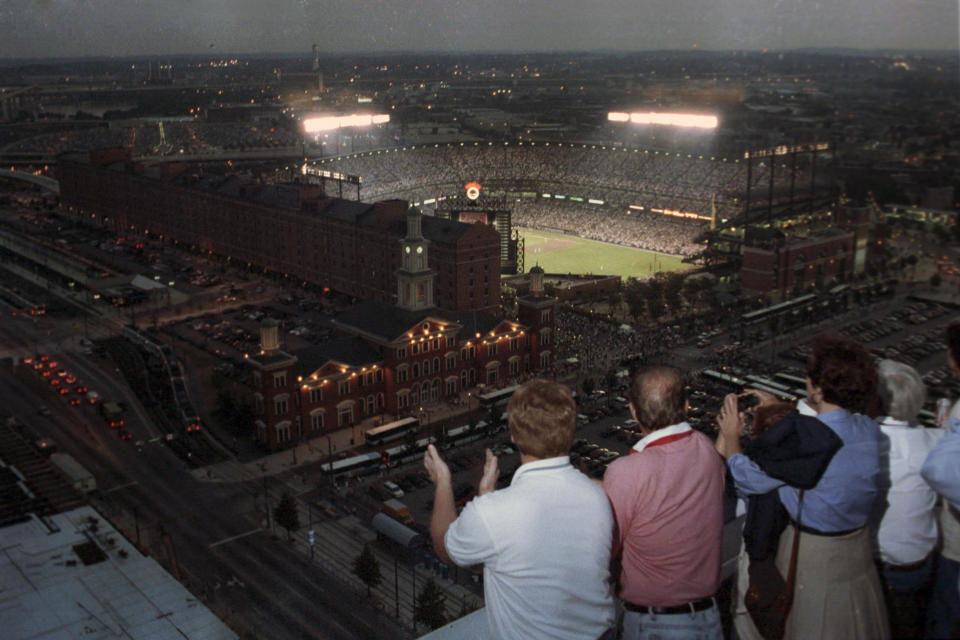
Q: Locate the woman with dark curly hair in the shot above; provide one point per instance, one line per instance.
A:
(837, 592)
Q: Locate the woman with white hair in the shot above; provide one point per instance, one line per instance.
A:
(907, 533)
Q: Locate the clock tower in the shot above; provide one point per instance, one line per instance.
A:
(414, 278)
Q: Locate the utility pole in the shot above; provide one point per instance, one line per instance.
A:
(266, 502)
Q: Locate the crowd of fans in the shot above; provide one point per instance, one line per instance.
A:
(663, 179)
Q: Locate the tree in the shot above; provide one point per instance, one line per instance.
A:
(233, 412)
(431, 606)
(635, 294)
(588, 386)
(672, 286)
(655, 305)
(367, 568)
(440, 436)
(410, 440)
(493, 419)
(286, 514)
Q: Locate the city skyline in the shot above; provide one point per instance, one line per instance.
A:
(71, 28)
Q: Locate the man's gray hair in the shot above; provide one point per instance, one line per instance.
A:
(901, 389)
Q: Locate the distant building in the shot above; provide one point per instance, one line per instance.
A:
(291, 229)
(395, 359)
(782, 265)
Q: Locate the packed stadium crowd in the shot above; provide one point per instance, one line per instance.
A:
(640, 229)
(664, 179)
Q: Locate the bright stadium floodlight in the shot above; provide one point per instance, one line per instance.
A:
(666, 119)
(329, 123)
(315, 125)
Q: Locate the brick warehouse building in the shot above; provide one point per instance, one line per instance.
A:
(290, 229)
(395, 359)
(781, 265)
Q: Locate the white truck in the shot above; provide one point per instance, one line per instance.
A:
(81, 479)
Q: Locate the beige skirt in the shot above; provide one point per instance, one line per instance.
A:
(838, 593)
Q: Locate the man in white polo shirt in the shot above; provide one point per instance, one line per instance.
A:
(545, 540)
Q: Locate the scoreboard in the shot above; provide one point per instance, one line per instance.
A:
(487, 210)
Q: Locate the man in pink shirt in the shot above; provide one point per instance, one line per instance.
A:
(667, 500)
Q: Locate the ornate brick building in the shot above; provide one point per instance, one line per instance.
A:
(291, 229)
(396, 359)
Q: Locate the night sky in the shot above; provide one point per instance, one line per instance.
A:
(68, 28)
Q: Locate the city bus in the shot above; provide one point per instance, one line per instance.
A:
(391, 431)
(498, 397)
(357, 465)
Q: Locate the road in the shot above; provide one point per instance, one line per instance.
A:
(254, 580)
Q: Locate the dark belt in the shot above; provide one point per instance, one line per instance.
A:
(816, 532)
(697, 605)
(913, 566)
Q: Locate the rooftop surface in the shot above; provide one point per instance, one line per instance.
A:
(79, 578)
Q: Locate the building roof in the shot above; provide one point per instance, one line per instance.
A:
(475, 322)
(352, 351)
(442, 231)
(380, 320)
(386, 323)
(75, 576)
(347, 210)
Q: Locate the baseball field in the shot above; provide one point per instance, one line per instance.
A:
(558, 253)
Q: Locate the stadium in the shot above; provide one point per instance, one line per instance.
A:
(654, 200)
(630, 198)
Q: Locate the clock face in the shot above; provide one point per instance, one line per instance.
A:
(407, 249)
(419, 249)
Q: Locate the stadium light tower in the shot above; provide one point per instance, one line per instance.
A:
(688, 120)
(317, 125)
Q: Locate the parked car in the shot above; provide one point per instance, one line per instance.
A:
(393, 489)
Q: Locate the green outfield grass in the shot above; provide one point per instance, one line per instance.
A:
(592, 257)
